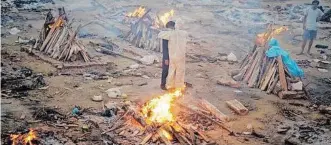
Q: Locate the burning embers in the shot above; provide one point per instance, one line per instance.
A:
(263, 37)
(139, 12)
(158, 110)
(24, 139)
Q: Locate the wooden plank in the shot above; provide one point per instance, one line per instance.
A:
(281, 72)
(163, 137)
(273, 85)
(251, 69)
(270, 72)
(146, 138)
(217, 113)
(265, 72)
(237, 107)
(287, 94)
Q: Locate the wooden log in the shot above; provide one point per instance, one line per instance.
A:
(192, 136)
(253, 79)
(217, 113)
(281, 72)
(270, 72)
(178, 136)
(146, 138)
(155, 137)
(277, 89)
(251, 69)
(273, 85)
(287, 94)
(163, 137)
(208, 117)
(265, 67)
(237, 107)
(265, 73)
(204, 137)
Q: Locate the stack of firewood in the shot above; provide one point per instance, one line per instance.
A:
(268, 74)
(61, 43)
(130, 127)
(144, 35)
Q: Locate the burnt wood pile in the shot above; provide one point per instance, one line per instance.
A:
(130, 127)
(268, 74)
(60, 42)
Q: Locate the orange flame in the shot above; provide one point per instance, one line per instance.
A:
(261, 38)
(158, 110)
(161, 21)
(25, 138)
(139, 12)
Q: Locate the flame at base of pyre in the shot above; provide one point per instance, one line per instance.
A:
(158, 110)
(24, 139)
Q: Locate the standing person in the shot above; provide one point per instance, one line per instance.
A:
(177, 50)
(312, 16)
(165, 58)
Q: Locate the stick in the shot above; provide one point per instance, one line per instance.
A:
(147, 137)
(282, 73)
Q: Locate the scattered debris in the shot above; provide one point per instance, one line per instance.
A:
(97, 98)
(322, 70)
(114, 93)
(149, 59)
(237, 107)
(297, 86)
(134, 66)
(232, 57)
(14, 31)
(283, 129)
(228, 82)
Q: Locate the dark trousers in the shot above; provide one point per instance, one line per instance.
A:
(165, 67)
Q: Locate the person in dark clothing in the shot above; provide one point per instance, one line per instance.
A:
(165, 58)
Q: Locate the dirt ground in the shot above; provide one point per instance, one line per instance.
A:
(213, 26)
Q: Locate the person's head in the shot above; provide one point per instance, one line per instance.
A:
(171, 25)
(315, 4)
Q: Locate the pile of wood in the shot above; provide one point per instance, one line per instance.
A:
(61, 43)
(144, 35)
(131, 127)
(268, 74)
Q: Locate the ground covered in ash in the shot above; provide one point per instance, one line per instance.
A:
(58, 104)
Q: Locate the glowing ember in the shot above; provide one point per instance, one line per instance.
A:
(25, 138)
(139, 12)
(158, 110)
(161, 21)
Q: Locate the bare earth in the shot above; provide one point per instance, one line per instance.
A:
(214, 27)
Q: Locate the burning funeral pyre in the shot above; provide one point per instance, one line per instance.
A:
(144, 29)
(165, 120)
(268, 74)
(58, 40)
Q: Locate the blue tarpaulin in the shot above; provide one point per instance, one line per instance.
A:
(291, 65)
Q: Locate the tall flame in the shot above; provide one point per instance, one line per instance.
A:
(158, 110)
(261, 38)
(139, 12)
(161, 21)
